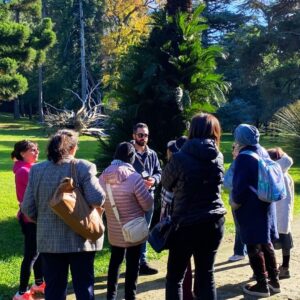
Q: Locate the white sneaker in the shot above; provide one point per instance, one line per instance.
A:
(236, 257)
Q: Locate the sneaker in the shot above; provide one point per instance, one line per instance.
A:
(38, 289)
(25, 296)
(284, 272)
(258, 289)
(236, 257)
(274, 286)
(145, 269)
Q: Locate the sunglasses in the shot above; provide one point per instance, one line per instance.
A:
(141, 135)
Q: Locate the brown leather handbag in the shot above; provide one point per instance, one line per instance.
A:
(69, 204)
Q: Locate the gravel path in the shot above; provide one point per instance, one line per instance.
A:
(230, 277)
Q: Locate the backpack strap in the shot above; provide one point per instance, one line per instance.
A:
(251, 153)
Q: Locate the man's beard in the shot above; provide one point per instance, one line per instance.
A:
(141, 143)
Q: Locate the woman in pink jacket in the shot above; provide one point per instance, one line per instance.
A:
(132, 199)
(25, 154)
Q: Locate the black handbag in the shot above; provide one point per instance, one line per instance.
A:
(161, 234)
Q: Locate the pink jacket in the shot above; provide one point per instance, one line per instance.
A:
(21, 170)
(131, 197)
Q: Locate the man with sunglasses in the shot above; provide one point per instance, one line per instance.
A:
(147, 164)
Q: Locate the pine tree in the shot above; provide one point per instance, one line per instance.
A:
(24, 40)
(165, 80)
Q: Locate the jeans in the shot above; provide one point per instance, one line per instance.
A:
(200, 241)
(56, 268)
(31, 257)
(143, 255)
(239, 247)
(131, 275)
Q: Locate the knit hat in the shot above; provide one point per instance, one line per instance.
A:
(175, 145)
(246, 135)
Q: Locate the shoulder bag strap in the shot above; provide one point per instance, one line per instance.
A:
(112, 202)
(74, 173)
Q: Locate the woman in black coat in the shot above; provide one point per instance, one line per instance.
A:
(195, 175)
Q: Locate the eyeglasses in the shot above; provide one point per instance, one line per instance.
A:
(141, 135)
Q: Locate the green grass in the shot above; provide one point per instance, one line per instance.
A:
(11, 240)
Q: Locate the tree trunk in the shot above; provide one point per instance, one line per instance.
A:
(30, 112)
(16, 101)
(40, 82)
(22, 107)
(16, 109)
(40, 95)
(82, 54)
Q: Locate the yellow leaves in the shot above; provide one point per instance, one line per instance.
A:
(126, 22)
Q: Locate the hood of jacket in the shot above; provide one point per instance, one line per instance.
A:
(117, 173)
(285, 162)
(201, 149)
(20, 164)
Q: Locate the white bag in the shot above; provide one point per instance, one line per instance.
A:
(133, 231)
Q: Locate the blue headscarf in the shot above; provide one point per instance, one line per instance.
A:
(246, 135)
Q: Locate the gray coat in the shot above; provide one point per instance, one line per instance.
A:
(53, 235)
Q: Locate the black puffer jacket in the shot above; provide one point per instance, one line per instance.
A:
(195, 175)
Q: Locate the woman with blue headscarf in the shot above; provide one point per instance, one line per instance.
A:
(256, 218)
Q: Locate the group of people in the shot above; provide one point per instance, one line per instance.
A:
(191, 195)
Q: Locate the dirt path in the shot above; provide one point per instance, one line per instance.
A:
(230, 277)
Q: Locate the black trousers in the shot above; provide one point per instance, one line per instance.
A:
(262, 260)
(200, 241)
(132, 255)
(31, 257)
(56, 268)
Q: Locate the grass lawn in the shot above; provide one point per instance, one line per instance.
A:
(11, 239)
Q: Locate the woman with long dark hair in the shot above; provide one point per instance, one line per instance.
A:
(195, 175)
(60, 247)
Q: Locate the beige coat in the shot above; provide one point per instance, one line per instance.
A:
(131, 197)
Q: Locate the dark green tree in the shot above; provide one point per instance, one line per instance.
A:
(263, 61)
(24, 40)
(165, 80)
(62, 71)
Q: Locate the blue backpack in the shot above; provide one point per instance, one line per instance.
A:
(270, 186)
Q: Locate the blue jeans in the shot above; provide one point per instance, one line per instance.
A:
(200, 241)
(56, 269)
(239, 247)
(143, 257)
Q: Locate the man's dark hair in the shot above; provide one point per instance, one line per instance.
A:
(139, 125)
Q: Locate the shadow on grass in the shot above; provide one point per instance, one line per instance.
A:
(7, 292)
(11, 245)
(11, 239)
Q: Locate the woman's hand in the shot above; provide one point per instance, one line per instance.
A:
(149, 182)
